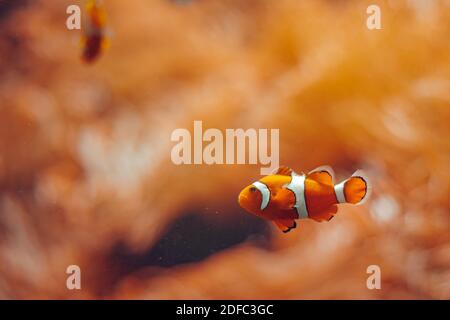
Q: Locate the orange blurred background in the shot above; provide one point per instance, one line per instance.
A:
(85, 170)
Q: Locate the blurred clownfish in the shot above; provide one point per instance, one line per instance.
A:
(285, 196)
(94, 39)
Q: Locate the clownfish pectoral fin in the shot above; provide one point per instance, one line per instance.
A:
(283, 170)
(324, 175)
(285, 225)
(283, 199)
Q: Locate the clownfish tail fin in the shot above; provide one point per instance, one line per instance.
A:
(355, 189)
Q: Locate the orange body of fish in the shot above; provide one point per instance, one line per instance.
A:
(94, 39)
(285, 196)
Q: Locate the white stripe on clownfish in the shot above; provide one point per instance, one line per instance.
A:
(297, 186)
(265, 192)
(339, 190)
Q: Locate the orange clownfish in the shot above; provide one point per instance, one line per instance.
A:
(284, 196)
(94, 38)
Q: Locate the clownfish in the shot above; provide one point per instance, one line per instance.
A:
(284, 196)
(94, 39)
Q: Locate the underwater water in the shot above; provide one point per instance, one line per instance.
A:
(87, 179)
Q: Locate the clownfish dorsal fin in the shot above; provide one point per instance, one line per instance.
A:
(323, 174)
(283, 171)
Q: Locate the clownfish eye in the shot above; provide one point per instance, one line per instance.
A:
(253, 189)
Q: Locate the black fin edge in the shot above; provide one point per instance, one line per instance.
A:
(290, 228)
